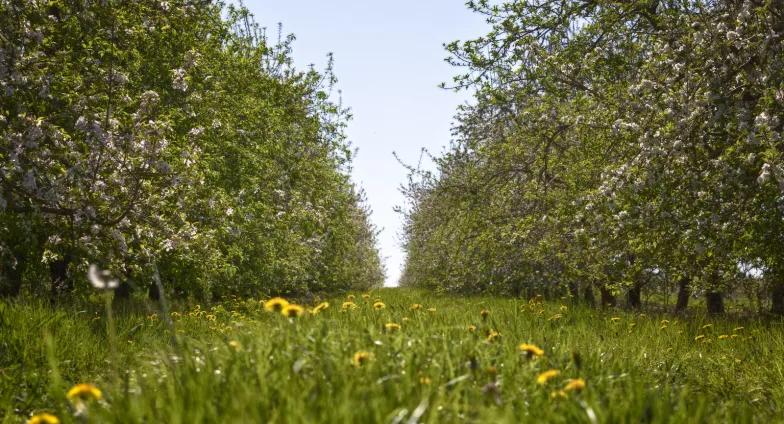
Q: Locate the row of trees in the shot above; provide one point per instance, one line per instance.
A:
(171, 137)
(613, 146)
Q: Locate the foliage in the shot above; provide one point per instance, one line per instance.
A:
(608, 142)
(171, 137)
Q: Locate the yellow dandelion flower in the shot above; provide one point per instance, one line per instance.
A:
(471, 328)
(391, 326)
(416, 307)
(366, 296)
(664, 326)
(558, 394)
(615, 319)
(431, 310)
(544, 377)
(350, 298)
(555, 317)
(733, 335)
(700, 337)
(707, 326)
(276, 304)
(43, 418)
(348, 306)
(361, 358)
(575, 385)
(320, 307)
(724, 336)
(737, 329)
(175, 315)
(83, 392)
(293, 311)
(235, 345)
(493, 335)
(563, 308)
(379, 305)
(484, 313)
(531, 350)
(665, 322)
(425, 381)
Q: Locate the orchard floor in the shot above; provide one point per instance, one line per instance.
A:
(445, 363)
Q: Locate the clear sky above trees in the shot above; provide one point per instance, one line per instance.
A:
(388, 60)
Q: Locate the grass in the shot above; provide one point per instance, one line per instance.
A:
(236, 362)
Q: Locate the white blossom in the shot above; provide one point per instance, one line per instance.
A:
(101, 280)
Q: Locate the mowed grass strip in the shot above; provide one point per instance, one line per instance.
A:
(393, 355)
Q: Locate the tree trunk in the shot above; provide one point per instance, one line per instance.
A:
(684, 292)
(58, 270)
(777, 298)
(588, 295)
(574, 290)
(153, 293)
(633, 296)
(714, 301)
(608, 299)
(13, 280)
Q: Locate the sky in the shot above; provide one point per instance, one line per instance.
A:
(389, 60)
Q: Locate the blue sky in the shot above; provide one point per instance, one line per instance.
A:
(389, 62)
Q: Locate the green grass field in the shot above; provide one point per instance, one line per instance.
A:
(236, 362)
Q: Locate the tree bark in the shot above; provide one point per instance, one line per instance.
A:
(574, 290)
(777, 298)
(684, 292)
(58, 271)
(12, 285)
(633, 296)
(608, 299)
(714, 301)
(588, 295)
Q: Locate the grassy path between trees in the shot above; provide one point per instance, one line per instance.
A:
(393, 355)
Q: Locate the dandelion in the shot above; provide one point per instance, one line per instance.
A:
(564, 308)
(320, 307)
(724, 336)
(492, 335)
(555, 317)
(665, 322)
(700, 337)
(43, 418)
(361, 357)
(707, 326)
(484, 313)
(737, 329)
(350, 298)
(471, 328)
(544, 377)
(235, 345)
(431, 310)
(574, 385)
(391, 326)
(366, 296)
(378, 305)
(416, 307)
(276, 304)
(615, 319)
(531, 350)
(348, 306)
(425, 381)
(293, 311)
(82, 393)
